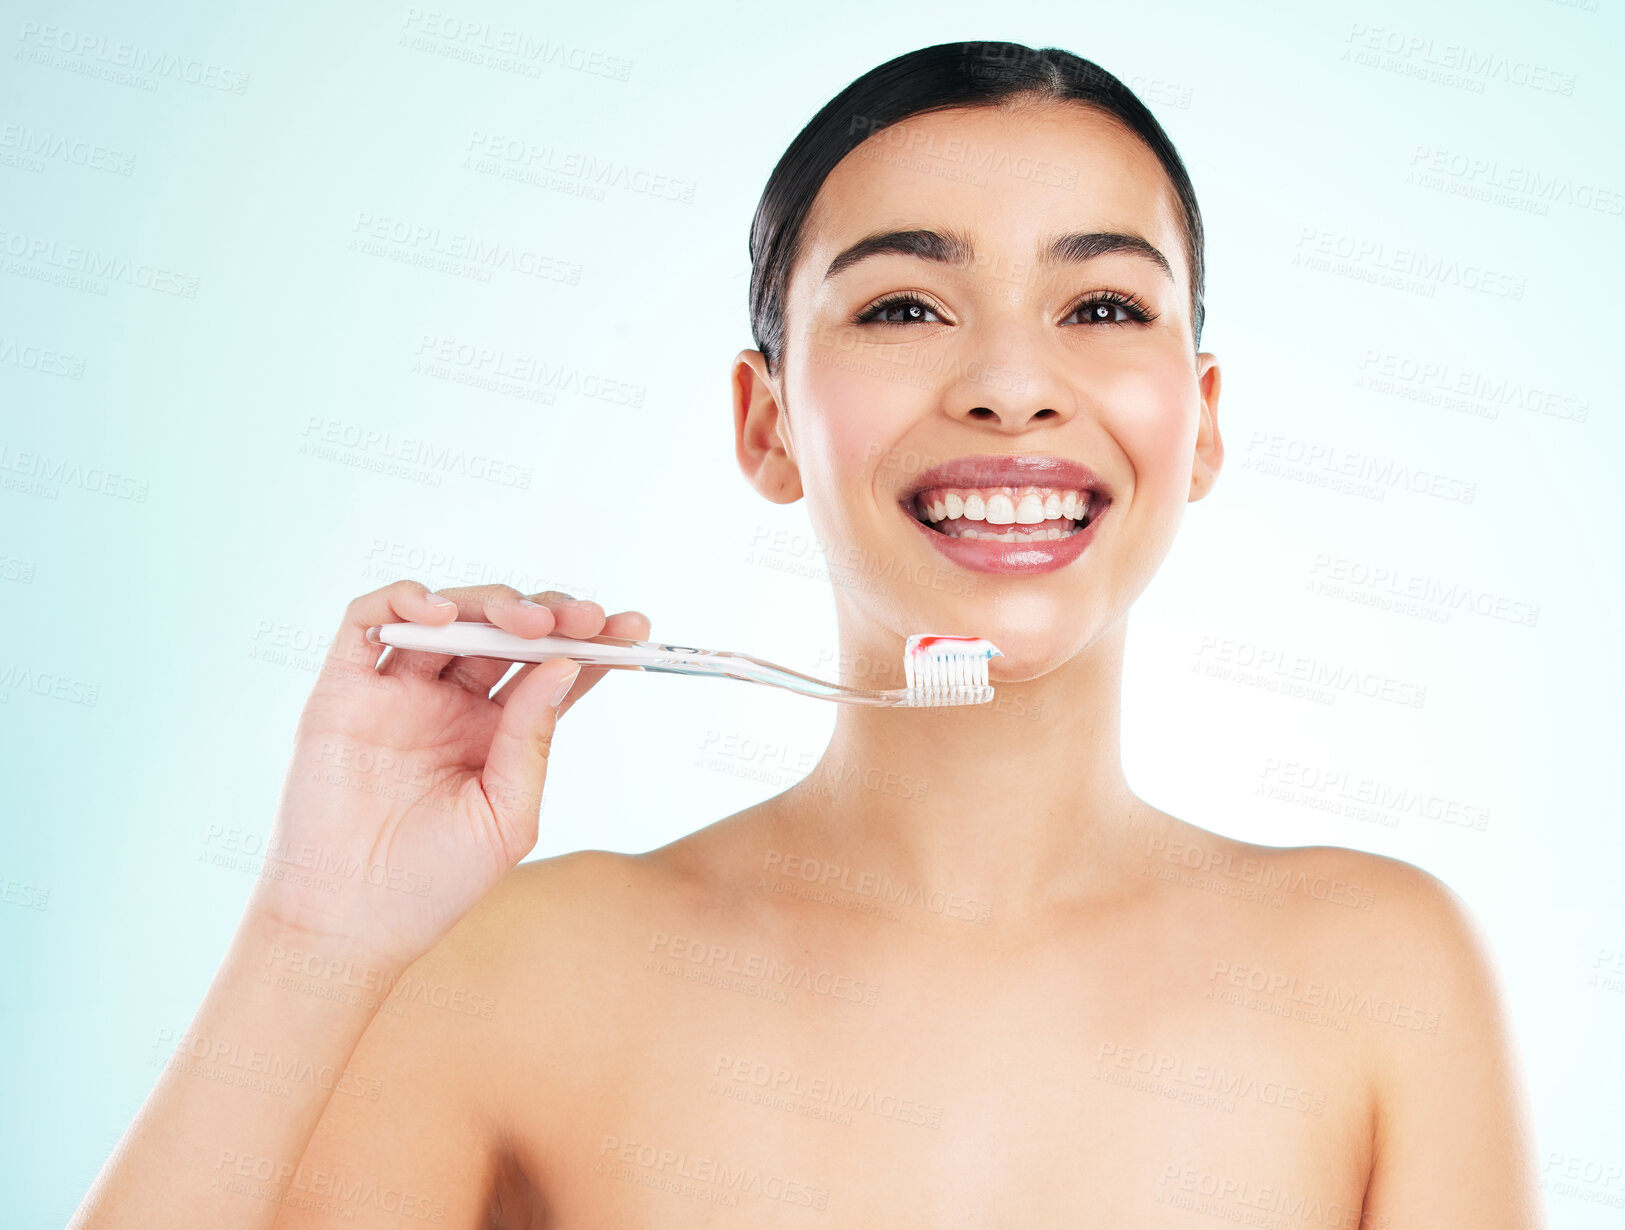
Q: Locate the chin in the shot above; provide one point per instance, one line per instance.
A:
(1035, 635)
(1026, 657)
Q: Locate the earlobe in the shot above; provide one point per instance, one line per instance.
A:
(761, 431)
(1209, 458)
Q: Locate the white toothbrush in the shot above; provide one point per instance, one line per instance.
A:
(939, 670)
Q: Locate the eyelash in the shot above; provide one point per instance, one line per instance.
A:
(1138, 312)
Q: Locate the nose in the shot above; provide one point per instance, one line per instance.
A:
(1011, 416)
(1009, 381)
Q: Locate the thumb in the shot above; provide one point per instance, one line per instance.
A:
(516, 765)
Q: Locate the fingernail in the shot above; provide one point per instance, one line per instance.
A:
(528, 602)
(437, 600)
(563, 686)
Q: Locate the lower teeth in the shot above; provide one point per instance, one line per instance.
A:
(1036, 535)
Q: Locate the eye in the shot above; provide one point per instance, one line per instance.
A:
(1112, 308)
(899, 310)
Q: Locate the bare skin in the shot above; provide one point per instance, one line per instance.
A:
(960, 976)
(1102, 1062)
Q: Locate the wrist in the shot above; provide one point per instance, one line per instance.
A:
(280, 947)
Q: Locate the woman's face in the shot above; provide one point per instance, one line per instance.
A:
(977, 340)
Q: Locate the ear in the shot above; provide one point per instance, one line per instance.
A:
(1209, 457)
(762, 439)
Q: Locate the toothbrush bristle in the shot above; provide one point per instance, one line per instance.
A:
(947, 664)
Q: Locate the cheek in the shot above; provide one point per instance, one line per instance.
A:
(848, 418)
(1153, 417)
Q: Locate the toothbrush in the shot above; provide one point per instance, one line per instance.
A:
(939, 670)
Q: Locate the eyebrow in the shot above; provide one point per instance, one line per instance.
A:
(954, 249)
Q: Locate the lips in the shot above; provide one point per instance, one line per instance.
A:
(993, 471)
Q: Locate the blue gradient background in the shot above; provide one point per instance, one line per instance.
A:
(194, 616)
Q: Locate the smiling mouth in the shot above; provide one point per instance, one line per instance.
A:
(1024, 513)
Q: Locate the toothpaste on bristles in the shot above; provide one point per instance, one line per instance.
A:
(947, 661)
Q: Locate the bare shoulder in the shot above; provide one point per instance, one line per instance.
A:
(544, 901)
(579, 916)
(562, 920)
(1389, 952)
(1375, 912)
(1404, 931)
(540, 910)
(466, 1043)
(1375, 938)
(465, 1004)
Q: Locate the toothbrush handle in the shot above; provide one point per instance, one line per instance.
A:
(483, 640)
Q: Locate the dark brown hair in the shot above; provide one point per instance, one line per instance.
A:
(935, 79)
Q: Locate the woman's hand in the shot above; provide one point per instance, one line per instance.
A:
(411, 791)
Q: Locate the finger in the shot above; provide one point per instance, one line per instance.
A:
(516, 764)
(633, 625)
(480, 675)
(399, 602)
(501, 605)
(576, 616)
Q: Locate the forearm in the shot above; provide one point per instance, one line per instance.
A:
(218, 1141)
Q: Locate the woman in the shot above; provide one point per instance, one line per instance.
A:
(960, 975)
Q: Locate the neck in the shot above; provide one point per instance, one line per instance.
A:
(1014, 804)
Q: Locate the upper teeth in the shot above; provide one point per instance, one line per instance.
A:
(1002, 505)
